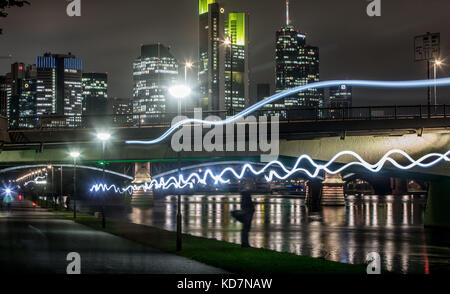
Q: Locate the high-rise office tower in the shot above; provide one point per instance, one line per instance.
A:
(5, 93)
(340, 96)
(223, 52)
(122, 111)
(153, 73)
(236, 62)
(210, 40)
(297, 64)
(4, 96)
(339, 101)
(262, 91)
(59, 88)
(21, 100)
(95, 93)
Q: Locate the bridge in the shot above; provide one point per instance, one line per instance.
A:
(319, 132)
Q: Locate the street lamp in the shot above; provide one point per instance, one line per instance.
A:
(187, 65)
(103, 137)
(179, 92)
(74, 155)
(436, 64)
(53, 186)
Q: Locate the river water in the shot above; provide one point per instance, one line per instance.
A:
(389, 225)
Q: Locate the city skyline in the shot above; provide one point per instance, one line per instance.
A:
(390, 51)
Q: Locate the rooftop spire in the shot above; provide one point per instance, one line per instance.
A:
(287, 13)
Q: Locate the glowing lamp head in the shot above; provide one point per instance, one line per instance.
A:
(227, 42)
(8, 191)
(74, 154)
(180, 91)
(438, 62)
(103, 136)
(189, 64)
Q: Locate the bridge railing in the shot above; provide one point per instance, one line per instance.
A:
(298, 114)
(97, 121)
(360, 113)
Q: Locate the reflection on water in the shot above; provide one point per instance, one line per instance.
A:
(389, 225)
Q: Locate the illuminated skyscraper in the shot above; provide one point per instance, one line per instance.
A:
(210, 39)
(21, 99)
(297, 64)
(220, 47)
(59, 88)
(122, 111)
(340, 96)
(339, 101)
(95, 93)
(153, 73)
(4, 86)
(236, 32)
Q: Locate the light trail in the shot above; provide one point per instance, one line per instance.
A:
(318, 85)
(66, 165)
(36, 180)
(195, 178)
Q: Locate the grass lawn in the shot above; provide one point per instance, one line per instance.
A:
(228, 256)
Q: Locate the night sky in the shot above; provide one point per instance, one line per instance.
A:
(352, 45)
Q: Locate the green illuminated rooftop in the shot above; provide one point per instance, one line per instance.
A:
(236, 27)
(203, 5)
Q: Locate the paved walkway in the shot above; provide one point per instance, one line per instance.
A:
(33, 240)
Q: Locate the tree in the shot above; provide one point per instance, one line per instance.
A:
(4, 4)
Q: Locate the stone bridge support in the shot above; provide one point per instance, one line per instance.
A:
(142, 174)
(333, 190)
(399, 186)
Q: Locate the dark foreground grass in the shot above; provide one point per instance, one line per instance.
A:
(228, 256)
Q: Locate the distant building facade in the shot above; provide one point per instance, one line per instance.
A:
(236, 62)
(210, 40)
(340, 101)
(153, 73)
(95, 93)
(122, 111)
(340, 96)
(21, 96)
(296, 64)
(223, 52)
(59, 89)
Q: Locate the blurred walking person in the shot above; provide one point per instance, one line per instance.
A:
(245, 215)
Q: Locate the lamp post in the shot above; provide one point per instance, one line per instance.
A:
(187, 66)
(436, 64)
(74, 155)
(179, 92)
(229, 42)
(103, 137)
(50, 166)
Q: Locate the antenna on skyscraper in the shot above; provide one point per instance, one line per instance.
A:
(287, 13)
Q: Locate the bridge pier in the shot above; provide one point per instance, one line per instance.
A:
(333, 190)
(399, 186)
(142, 174)
(438, 204)
(381, 185)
